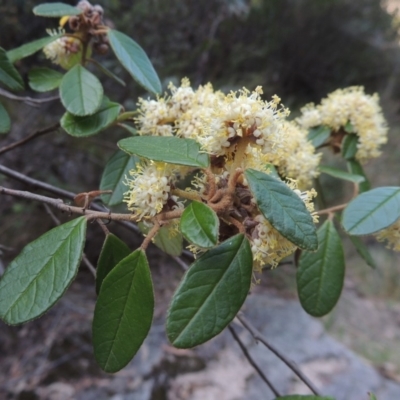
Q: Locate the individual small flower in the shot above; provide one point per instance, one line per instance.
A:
(64, 51)
(149, 188)
(391, 235)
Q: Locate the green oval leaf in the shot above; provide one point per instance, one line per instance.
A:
(114, 250)
(355, 167)
(338, 173)
(55, 10)
(200, 225)
(172, 150)
(44, 79)
(320, 275)
(8, 74)
(135, 60)
(42, 272)
(318, 136)
(123, 312)
(5, 121)
(113, 177)
(91, 124)
(349, 147)
(372, 211)
(211, 293)
(30, 48)
(168, 238)
(303, 397)
(283, 208)
(363, 251)
(80, 91)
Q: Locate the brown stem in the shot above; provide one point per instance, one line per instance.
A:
(212, 187)
(149, 237)
(330, 210)
(26, 99)
(59, 204)
(186, 195)
(29, 138)
(168, 215)
(237, 223)
(259, 337)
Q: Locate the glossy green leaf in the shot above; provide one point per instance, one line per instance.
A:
(56, 10)
(30, 48)
(372, 211)
(91, 124)
(42, 272)
(319, 135)
(135, 61)
(80, 91)
(355, 167)
(303, 397)
(114, 250)
(123, 312)
(172, 150)
(168, 238)
(200, 225)
(211, 293)
(349, 147)
(5, 121)
(113, 177)
(320, 275)
(8, 74)
(363, 251)
(44, 79)
(338, 173)
(283, 208)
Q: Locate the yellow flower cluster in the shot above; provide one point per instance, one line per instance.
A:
(239, 130)
(350, 105)
(391, 235)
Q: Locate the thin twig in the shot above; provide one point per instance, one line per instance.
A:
(330, 210)
(90, 266)
(27, 139)
(259, 337)
(26, 99)
(68, 195)
(252, 362)
(59, 204)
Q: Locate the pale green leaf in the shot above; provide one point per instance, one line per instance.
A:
(8, 74)
(135, 60)
(172, 150)
(44, 79)
(80, 91)
(42, 272)
(56, 10)
(5, 121)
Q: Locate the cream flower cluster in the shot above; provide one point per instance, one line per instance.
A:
(391, 235)
(149, 188)
(239, 130)
(350, 105)
(64, 51)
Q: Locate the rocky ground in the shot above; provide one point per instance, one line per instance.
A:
(51, 358)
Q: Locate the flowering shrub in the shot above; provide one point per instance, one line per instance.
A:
(229, 175)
